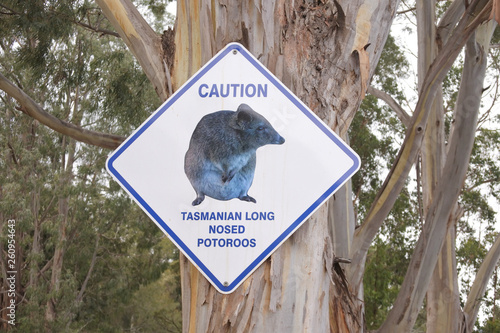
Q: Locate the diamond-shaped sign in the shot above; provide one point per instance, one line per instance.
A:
(231, 165)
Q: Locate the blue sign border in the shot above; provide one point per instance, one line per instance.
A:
(268, 251)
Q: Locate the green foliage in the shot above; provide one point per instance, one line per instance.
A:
(371, 125)
(391, 68)
(117, 266)
(491, 326)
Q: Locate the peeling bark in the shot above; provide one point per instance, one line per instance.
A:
(314, 48)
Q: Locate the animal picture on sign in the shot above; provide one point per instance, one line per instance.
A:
(221, 158)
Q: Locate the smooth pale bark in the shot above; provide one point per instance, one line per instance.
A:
(407, 305)
(471, 309)
(444, 313)
(319, 52)
(403, 116)
(449, 20)
(443, 300)
(443, 295)
(432, 150)
(395, 181)
(478, 289)
(341, 215)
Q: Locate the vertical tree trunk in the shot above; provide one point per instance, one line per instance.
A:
(57, 260)
(66, 171)
(325, 53)
(489, 265)
(444, 313)
(406, 307)
(443, 300)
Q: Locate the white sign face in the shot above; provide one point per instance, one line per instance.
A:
(231, 165)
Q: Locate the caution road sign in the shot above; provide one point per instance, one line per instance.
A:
(231, 165)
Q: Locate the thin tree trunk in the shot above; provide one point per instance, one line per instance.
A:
(475, 14)
(407, 305)
(443, 301)
(63, 214)
(35, 246)
(141, 40)
(471, 308)
(57, 262)
(478, 288)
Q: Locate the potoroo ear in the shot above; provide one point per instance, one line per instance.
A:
(242, 118)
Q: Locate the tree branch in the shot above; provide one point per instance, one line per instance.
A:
(483, 275)
(406, 11)
(403, 315)
(102, 31)
(487, 181)
(12, 11)
(391, 102)
(89, 273)
(31, 108)
(449, 20)
(141, 40)
(401, 167)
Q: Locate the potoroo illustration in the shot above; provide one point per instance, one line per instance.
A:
(220, 162)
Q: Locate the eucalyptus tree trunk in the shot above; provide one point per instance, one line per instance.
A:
(444, 313)
(443, 299)
(325, 52)
(66, 170)
(445, 195)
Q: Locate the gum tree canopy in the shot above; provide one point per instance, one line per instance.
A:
(326, 52)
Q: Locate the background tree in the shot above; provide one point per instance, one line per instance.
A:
(324, 51)
(83, 251)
